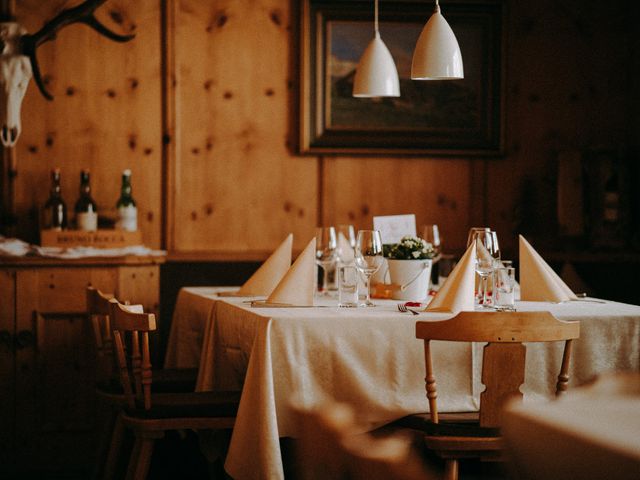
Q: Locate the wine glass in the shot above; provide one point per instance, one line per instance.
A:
(479, 284)
(487, 255)
(431, 234)
(326, 253)
(368, 258)
(346, 243)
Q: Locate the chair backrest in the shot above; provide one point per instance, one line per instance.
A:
(503, 364)
(131, 330)
(98, 312)
(330, 445)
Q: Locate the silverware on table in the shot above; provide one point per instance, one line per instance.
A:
(403, 308)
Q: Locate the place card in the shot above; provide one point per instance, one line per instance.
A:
(393, 227)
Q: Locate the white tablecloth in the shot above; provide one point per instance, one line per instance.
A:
(367, 357)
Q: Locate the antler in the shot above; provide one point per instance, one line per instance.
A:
(83, 13)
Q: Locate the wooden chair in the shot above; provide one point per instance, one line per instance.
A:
(165, 380)
(330, 446)
(454, 437)
(108, 388)
(150, 415)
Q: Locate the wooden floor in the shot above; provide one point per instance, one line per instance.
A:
(178, 456)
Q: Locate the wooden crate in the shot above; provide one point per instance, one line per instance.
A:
(98, 239)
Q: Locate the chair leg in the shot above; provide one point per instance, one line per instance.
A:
(111, 461)
(106, 435)
(451, 469)
(141, 455)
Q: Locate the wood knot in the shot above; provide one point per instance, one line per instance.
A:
(287, 206)
(148, 151)
(116, 16)
(49, 140)
(150, 216)
(111, 93)
(269, 92)
(351, 215)
(209, 144)
(364, 210)
(220, 18)
(276, 17)
(194, 216)
(70, 91)
(195, 150)
(133, 83)
(301, 212)
(166, 139)
(33, 149)
(228, 94)
(207, 84)
(132, 142)
(208, 209)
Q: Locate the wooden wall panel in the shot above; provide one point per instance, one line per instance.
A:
(238, 187)
(106, 115)
(437, 191)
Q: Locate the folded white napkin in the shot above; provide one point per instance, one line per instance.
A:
(456, 295)
(267, 277)
(296, 287)
(538, 281)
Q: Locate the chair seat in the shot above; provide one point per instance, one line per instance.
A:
(185, 405)
(164, 381)
(464, 424)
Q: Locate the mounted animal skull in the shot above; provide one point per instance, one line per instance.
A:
(18, 61)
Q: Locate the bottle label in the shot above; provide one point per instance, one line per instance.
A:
(127, 218)
(88, 221)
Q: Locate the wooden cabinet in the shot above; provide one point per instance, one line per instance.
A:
(47, 363)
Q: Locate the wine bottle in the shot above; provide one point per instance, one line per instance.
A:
(54, 214)
(86, 209)
(126, 206)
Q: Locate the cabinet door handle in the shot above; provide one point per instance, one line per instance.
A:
(24, 339)
(6, 339)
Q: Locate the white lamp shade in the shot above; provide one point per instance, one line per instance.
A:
(437, 54)
(376, 74)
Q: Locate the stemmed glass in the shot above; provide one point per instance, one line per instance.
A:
(368, 258)
(326, 252)
(480, 284)
(431, 234)
(349, 234)
(487, 256)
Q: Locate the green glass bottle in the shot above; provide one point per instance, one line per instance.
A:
(54, 214)
(86, 209)
(126, 206)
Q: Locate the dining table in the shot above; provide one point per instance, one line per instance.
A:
(367, 357)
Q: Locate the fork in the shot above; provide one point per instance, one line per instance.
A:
(403, 308)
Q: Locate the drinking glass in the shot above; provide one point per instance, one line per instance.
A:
(368, 258)
(348, 279)
(431, 234)
(487, 256)
(326, 253)
(479, 290)
(504, 282)
(346, 247)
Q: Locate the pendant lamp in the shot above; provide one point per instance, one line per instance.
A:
(437, 54)
(376, 74)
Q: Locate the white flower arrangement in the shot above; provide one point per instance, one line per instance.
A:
(410, 248)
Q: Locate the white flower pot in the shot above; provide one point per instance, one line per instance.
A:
(410, 278)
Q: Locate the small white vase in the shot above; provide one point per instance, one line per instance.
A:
(410, 278)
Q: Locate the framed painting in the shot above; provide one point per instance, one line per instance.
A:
(446, 117)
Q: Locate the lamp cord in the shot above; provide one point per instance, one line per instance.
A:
(375, 17)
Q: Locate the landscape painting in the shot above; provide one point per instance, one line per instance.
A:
(445, 117)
